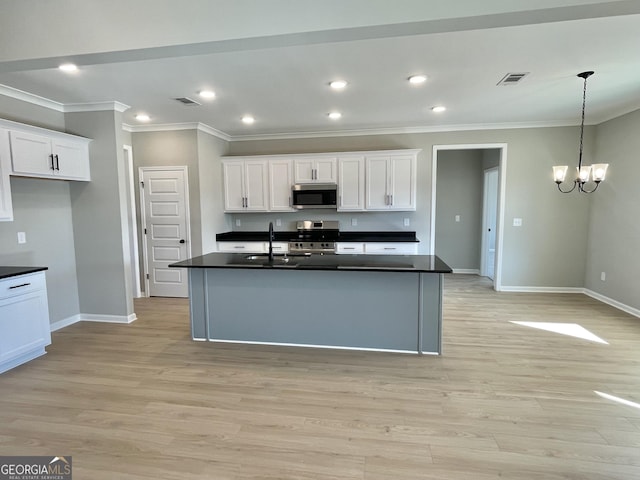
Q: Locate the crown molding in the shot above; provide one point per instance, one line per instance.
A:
(31, 98)
(166, 127)
(95, 107)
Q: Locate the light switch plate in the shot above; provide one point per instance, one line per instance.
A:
(22, 237)
(457, 218)
(517, 222)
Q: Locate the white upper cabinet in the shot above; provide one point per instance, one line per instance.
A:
(6, 209)
(49, 156)
(391, 181)
(351, 184)
(245, 185)
(280, 181)
(320, 169)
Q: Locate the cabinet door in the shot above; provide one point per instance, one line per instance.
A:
(280, 181)
(325, 170)
(233, 178)
(376, 183)
(6, 209)
(256, 186)
(71, 159)
(304, 170)
(24, 323)
(351, 184)
(31, 154)
(403, 183)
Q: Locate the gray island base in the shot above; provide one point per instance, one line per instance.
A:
(387, 304)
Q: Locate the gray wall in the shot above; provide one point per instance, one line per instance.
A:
(42, 209)
(614, 226)
(100, 218)
(172, 149)
(459, 192)
(212, 218)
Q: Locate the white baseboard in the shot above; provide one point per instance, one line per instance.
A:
(466, 271)
(65, 322)
(88, 317)
(614, 303)
(525, 289)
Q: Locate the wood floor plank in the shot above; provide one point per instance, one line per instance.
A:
(143, 401)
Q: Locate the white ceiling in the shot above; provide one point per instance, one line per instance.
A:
(276, 61)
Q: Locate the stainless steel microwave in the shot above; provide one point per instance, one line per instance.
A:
(314, 195)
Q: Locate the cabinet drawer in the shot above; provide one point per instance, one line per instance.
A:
(391, 248)
(349, 247)
(22, 284)
(241, 247)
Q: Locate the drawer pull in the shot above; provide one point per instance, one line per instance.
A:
(389, 248)
(349, 248)
(239, 246)
(18, 286)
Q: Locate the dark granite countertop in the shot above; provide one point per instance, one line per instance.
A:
(394, 263)
(398, 236)
(6, 272)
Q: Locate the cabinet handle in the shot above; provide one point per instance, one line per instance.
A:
(348, 248)
(390, 199)
(57, 162)
(239, 247)
(53, 167)
(389, 248)
(18, 286)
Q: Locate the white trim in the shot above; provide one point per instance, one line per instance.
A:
(65, 322)
(95, 107)
(614, 303)
(11, 92)
(527, 289)
(349, 154)
(167, 127)
(23, 127)
(131, 193)
(90, 317)
(466, 271)
(502, 190)
(333, 347)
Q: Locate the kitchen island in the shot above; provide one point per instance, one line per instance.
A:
(364, 302)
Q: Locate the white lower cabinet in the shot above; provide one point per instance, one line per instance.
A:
(252, 247)
(377, 248)
(24, 319)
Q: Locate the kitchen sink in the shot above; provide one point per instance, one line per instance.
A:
(280, 260)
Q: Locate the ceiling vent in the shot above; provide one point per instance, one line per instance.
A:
(512, 78)
(186, 101)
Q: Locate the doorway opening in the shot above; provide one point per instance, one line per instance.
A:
(468, 195)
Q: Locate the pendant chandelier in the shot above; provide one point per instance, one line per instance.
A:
(584, 173)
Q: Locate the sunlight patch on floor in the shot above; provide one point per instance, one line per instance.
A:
(571, 329)
(628, 403)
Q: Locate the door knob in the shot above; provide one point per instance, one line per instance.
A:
(182, 241)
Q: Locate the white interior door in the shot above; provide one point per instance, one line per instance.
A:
(164, 195)
(490, 215)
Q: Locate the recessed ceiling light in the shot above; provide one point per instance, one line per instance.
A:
(438, 109)
(248, 119)
(335, 115)
(68, 67)
(338, 84)
(417, 79)
(143, 117)
(207, 94)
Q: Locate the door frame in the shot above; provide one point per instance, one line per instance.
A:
(133, 224)
(502, 175)
(143, 215)
(485, 198)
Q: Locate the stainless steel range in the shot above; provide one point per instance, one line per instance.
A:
(315, 236)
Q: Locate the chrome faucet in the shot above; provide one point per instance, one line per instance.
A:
(271, 238)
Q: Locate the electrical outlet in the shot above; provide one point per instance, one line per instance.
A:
(22, 237)
(238, 222)
(603, 276)
(354, 222)
(278, 222)
(517, 222)
(457, 218)
(407, 222)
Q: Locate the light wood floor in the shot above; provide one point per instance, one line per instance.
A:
(143, 401)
